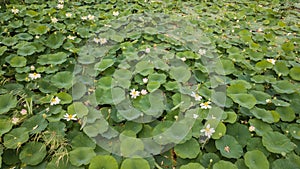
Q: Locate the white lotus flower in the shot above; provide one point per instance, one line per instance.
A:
(23, 112)
(54, 101)
(271, 61)
(68, 15)
(115, 13)
(15, 11)
(84, 17)
(196, 96)
(54, 20)
(205, 105)
(91, 17)
(69, 117)
(15, 120)
(144, 92)
(71, 37)
(208, 131)
(251, 128)
(147, 50)
(202, 51)
(34, 76)
(133, 93)
(145, 80)
(60, 6)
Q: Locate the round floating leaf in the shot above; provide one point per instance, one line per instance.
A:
(291, 162)
(231, 117)
(62, 79)
(192, 166)
(236, 89)
(123, 77)
(18, 61)
(33, 153)
(35, 124)
(82, 140)
(295, 73)
(219, 131)
(64, 97)
(37, 29)
(9, 41)
(209, 159)
(81, 156)
(104, 64)
(245, 100)
(263, 114)
(144, 68)
(189, 149)
(98, 127)
(180, 74)
(294, 129)
(255, 143)
(2, 50)
(152, 86)
(256, 159)
(52, 59)
(15, 137)
(229, 147)
(157, 77)
(55, 40)
(26, 50)
(78, 108)
(130, 146)
(239, 132)
(78, 90)
(278, 143)
(103, 162)
(7, 102)
(260, 96)
(281, 68)
(286, 113)
(224, 164)
(260, 126)
(284, 86)
(135, 163)
(224, 67)
(5, 125)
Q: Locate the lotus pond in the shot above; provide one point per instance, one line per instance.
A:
(149, 84)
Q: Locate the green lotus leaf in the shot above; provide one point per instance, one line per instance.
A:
(262, 65)
(192, 166)
(24, 36)
(288, 46)
(104, 64)
(171, 86)
(33, 153)
(46, 86)
(255, 143)
(229, 147)
(209, 159)
(58, 127)
(104, 96)
(256, 159)
(294, 130)
(189, 149)
(157, 77)
(37, 29)
(52, 59)
(240, 164)
(9, 41)
(81, 156)
(82, 140)
(55, 40)
(26, 50)
(239, 132)
(7, 102)
(286, 113)
(78, 108)
(144, 68)
(245, 100)
(131, 146)
(64, 97)
(224, 164)
(260, 96)
(5, 125)
(153, 86)
(98, 127)
(231, 117)
(133, 126)
(224, 67)
(35, 124)
(180, 74)
(220, 131)
(236, 89)
(290, 162)
(18, 61)
(281, 68)
(263, 114)
(260, 126)
(295, 73)
(2, 50)
(188, 55)
(62, 79)
(278, 143)
(63, 163)
(135, 163)
(123, 77)
(284, 86)
(15, 137)
(78, 90)
(105, 83)
(219, 98)
(103, 162)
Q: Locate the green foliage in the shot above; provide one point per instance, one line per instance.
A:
(216, 84)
